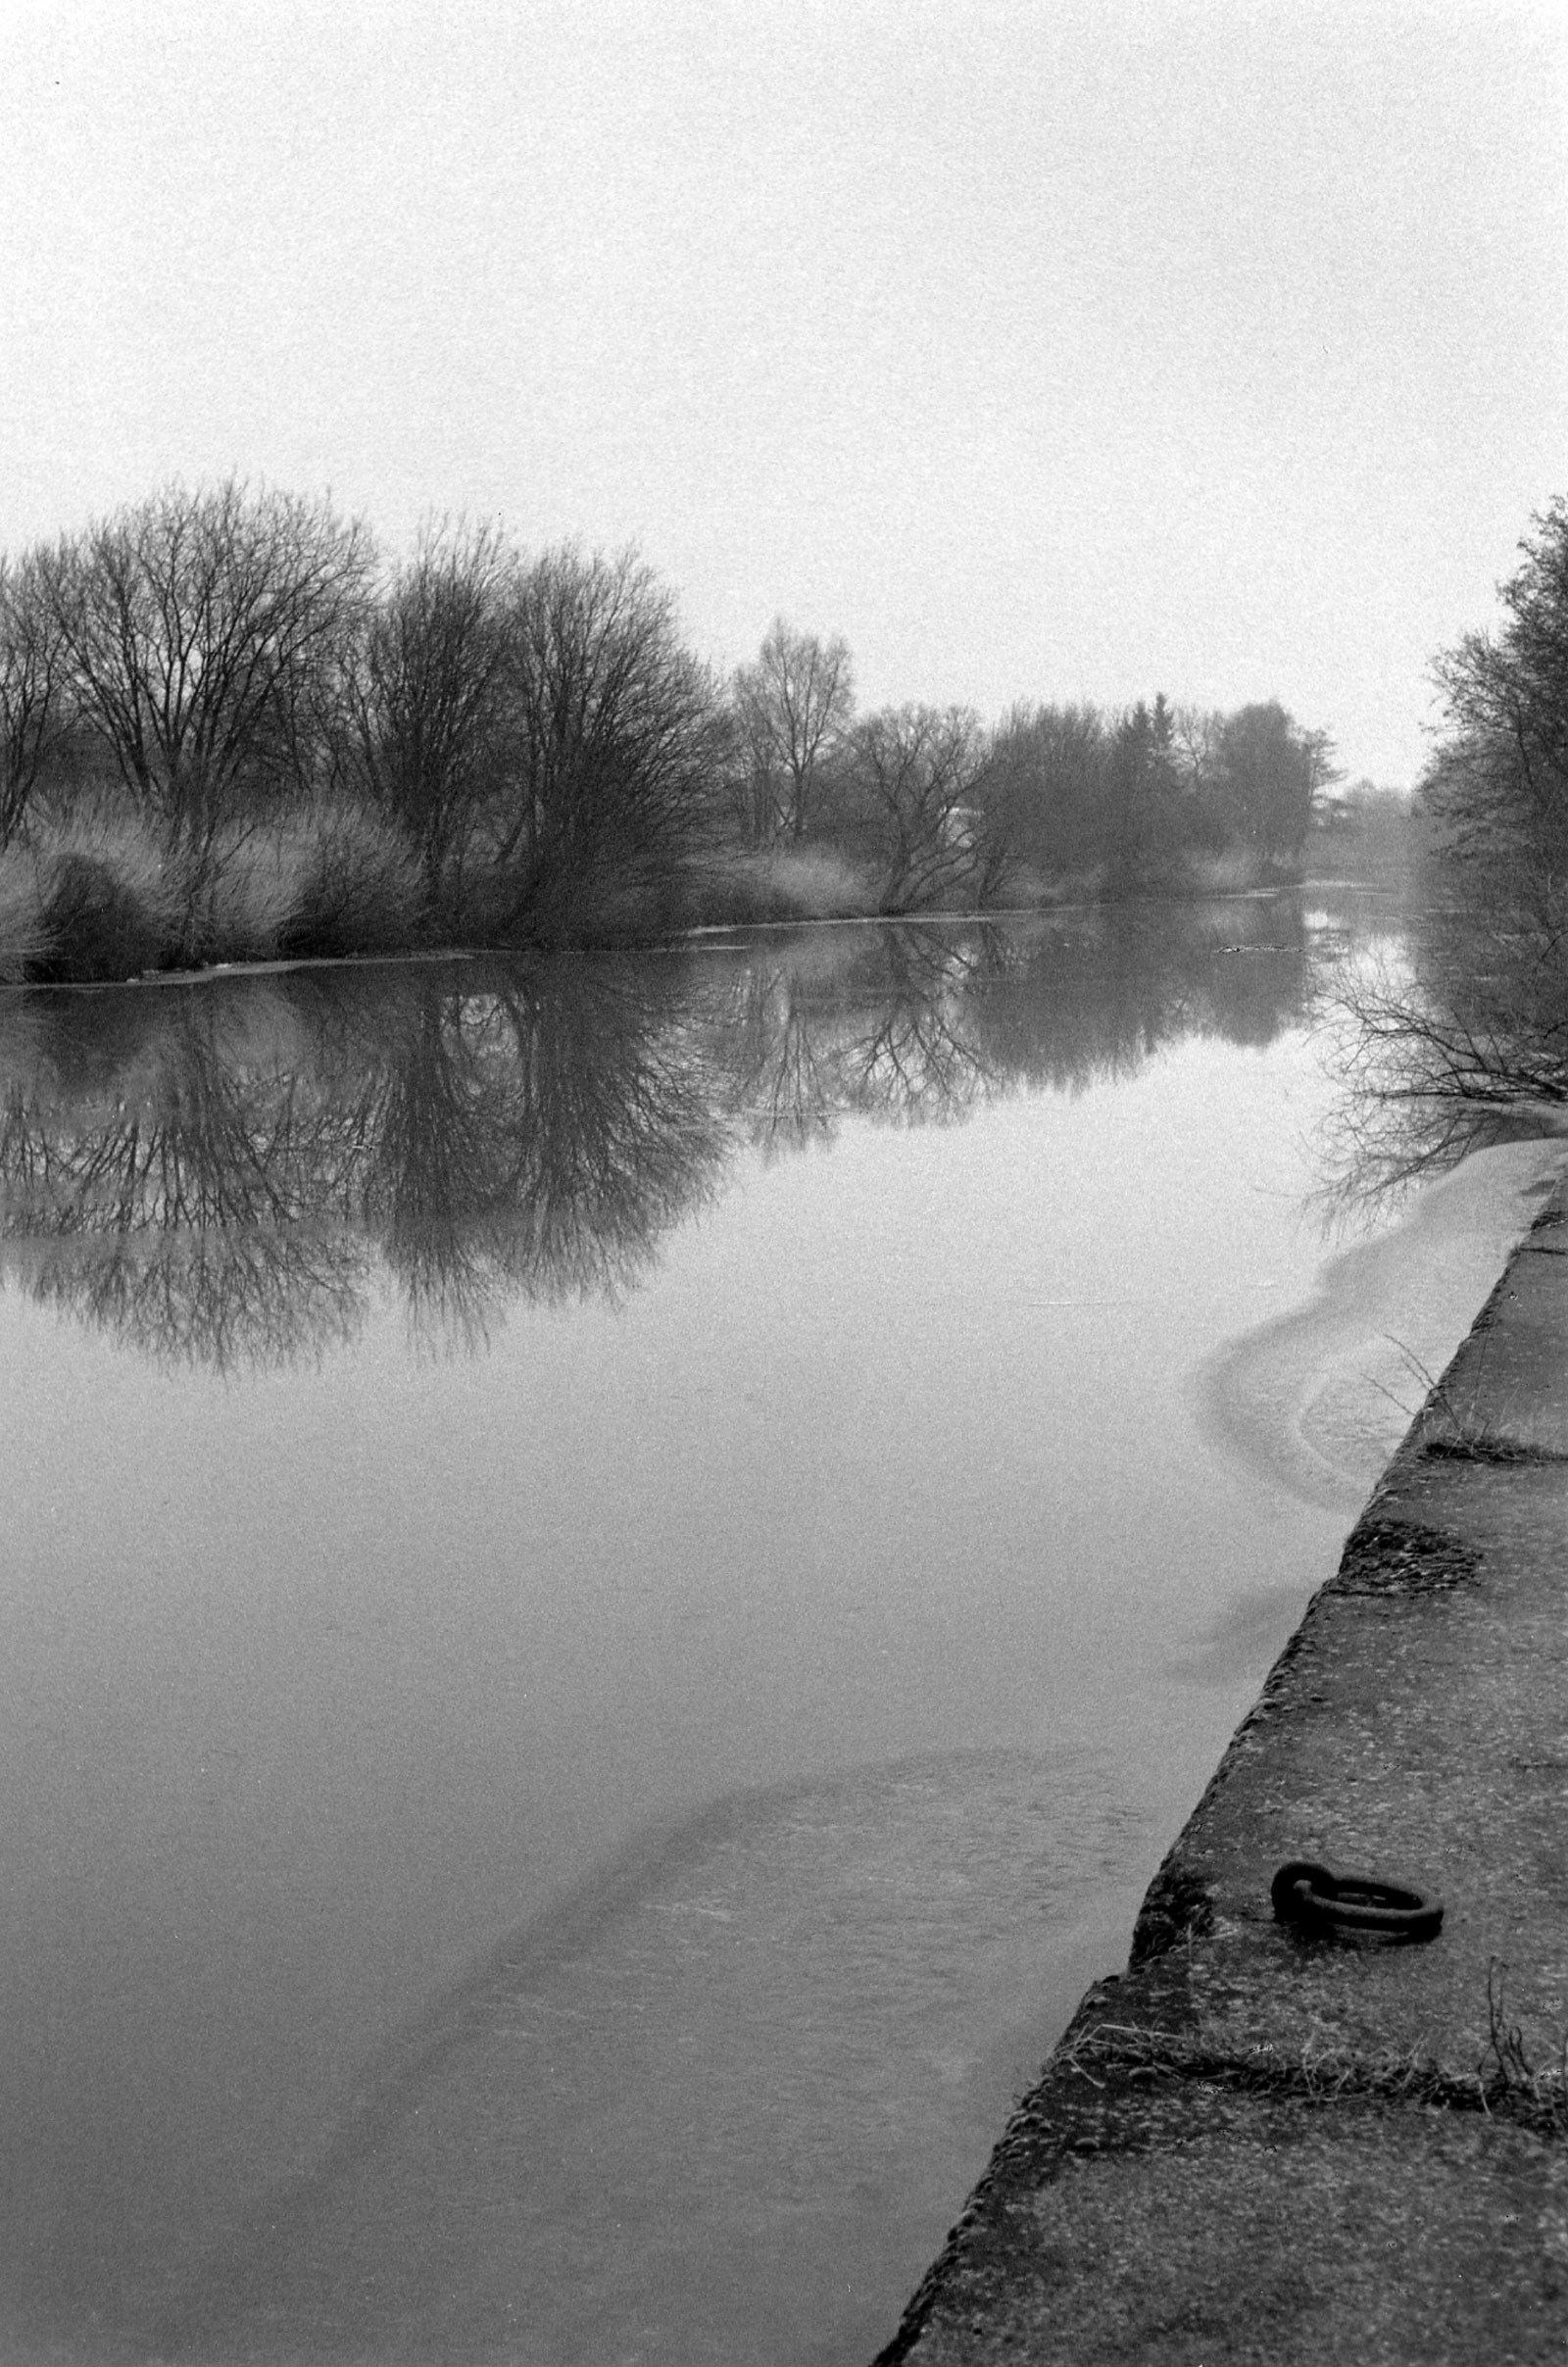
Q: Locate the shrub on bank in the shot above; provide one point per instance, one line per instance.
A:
(331, 880)
(243, 892)
(730, 888)
(94, 924)
(358, 888)
(106, 903)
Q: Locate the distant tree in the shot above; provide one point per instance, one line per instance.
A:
(1043, 794)
(428, 705)
(1196, 734)
(31, 685)
(203, 633)
(1141, 796)
(1270, 774)
(615, 739)
(1324, 770)
(794, 706)
(1202, 822)
(917, 775)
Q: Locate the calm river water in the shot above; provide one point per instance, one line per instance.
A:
(617, 1573)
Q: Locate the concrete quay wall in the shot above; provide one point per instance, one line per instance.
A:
(1257, 2144)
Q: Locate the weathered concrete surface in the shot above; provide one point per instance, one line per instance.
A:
(1261, 2147)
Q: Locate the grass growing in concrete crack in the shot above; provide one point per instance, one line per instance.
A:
(1512, 2073)
(1504, 2083)
(1470, 1440)
(1470, 1437)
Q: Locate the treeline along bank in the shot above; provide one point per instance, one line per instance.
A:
(230, 730)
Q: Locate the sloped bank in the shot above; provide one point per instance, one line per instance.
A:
(1257, 2145)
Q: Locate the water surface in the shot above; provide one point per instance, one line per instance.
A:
(619, 1571)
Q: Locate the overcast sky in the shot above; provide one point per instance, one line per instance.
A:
(1043, 352)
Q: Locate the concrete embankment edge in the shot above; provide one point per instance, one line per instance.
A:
(1263, 2146)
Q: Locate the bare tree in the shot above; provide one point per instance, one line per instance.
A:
(615, 739)
(1196, 737)
(429, 696)
(795, 706)
(31, 685)
(918, 771)
(1044, 793)
(204, 632)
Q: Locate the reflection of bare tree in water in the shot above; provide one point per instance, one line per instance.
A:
(495, 1137)
(1462, 1046)
(224, 1301)
(219, 1174)
(887, 1034)
(536, 1138)
(918, 1058)
(781, 1069)
(179, 1206)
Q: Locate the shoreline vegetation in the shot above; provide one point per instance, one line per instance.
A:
(232, 732)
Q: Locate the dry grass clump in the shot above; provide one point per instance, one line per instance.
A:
(779, 883)
(103, 896)
(358, 886)
(325, 881)
(21, 935)
(1505, 2081)
(242, 891)
(334, 880)
(725, 889)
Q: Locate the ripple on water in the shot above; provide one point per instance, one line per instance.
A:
(865, 1968)
(1317, 1400)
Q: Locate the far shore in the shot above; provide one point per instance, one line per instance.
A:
(122, 926)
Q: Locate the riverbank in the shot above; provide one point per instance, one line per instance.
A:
(101, 897)
(1254, 2146)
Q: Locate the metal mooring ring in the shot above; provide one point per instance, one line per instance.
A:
(1317, 1899)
